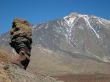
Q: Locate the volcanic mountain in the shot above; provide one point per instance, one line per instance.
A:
(70, 45)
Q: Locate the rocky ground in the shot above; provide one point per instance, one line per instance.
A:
(12, 73)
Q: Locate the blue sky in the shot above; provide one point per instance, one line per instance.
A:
(38, 11)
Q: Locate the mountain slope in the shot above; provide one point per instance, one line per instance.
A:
(76, 35)
(56, 63)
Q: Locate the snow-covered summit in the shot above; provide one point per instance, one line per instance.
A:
(72, 17)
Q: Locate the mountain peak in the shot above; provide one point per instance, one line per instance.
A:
(74, 14)
(70, 19)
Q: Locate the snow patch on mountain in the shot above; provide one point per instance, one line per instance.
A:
(89, 25)
(69, 20)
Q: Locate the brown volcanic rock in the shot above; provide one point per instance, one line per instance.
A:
(13, 73)
(4, 76)
(4, 56)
